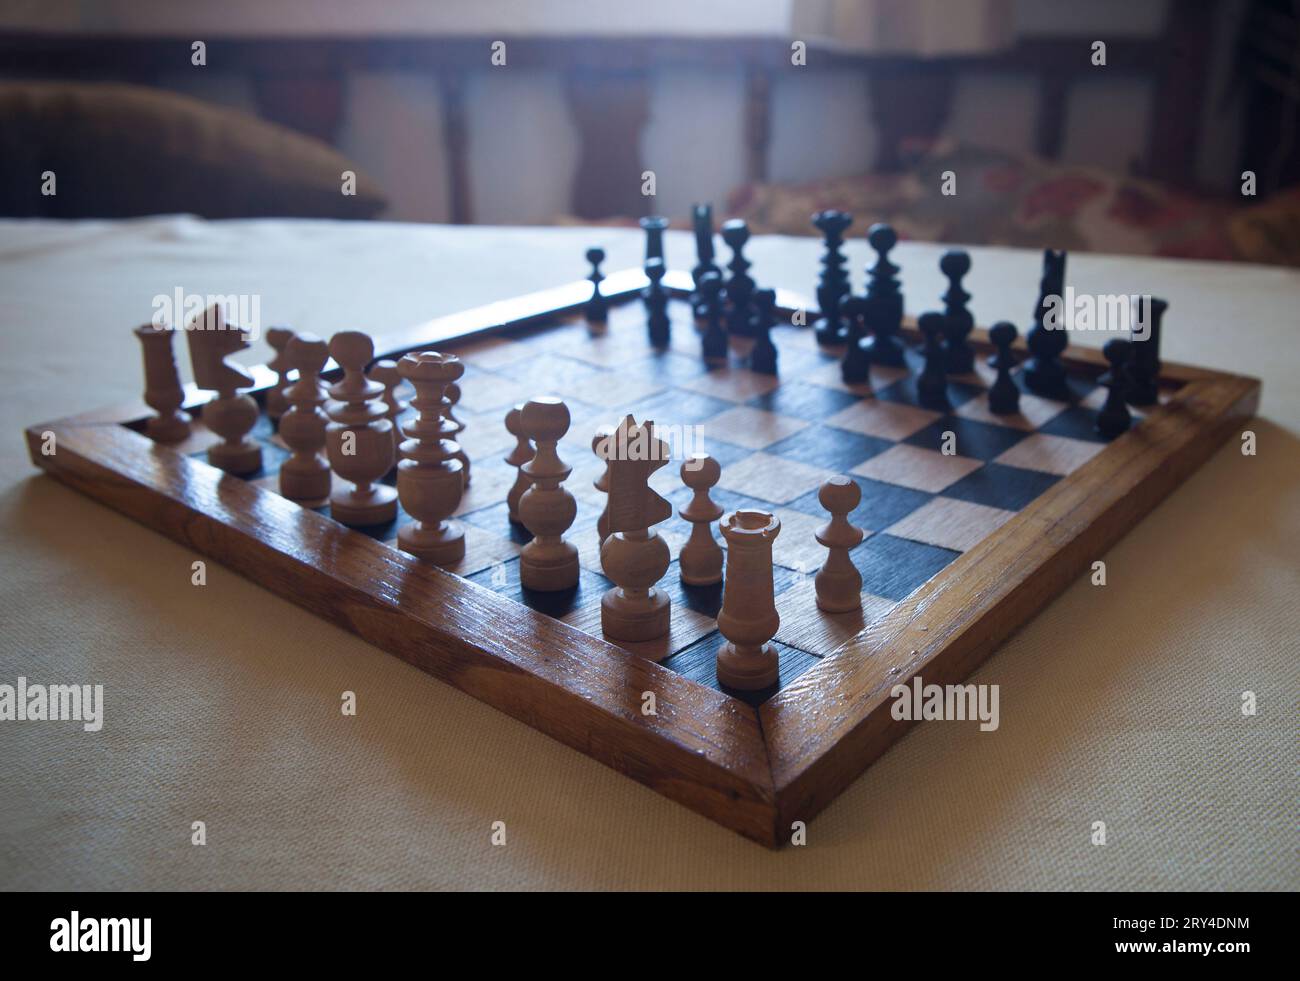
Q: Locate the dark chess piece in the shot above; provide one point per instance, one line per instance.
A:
(1004, 396)
(702, 222)
(833, 287)
(959, 321)
(1144, 371)
(740, 287)
(884, 313)
(763, 358)
(1114, 417)
(656, 304)
(654, 226)
(855, 365)
(1047, 340)
(932, 383)
(715, 338)
(597, 308)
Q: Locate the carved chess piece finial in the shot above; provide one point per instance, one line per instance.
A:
(748, 662)
(430, 481)
(163, 391)
(633, 557)
(838, 583)
(278, 338)
(548, 563)
(230, 415)
(360, 437)
(521, 453)
(700, 560)
(305, 476)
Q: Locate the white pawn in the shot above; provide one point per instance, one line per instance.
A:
(517, 457)
(277, 404)
(700, 560)
(548, 563)
(385, 372)
(838, 582)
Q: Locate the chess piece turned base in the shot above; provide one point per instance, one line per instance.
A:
(550, 573)
(171, 428)
(306, 484)
(361, 508)
(442, 544)
(747, 669)
(237, 458)
(628, 619)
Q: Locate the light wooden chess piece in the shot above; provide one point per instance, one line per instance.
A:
(385, 372)
(517, 457)
(453, 400)
(601, 483)
(633, 557)
(230, 415)
(748, 662)
(305, 476)
(163, 391)
(548, 563)
(359, 439)
(430, 478)
(700, 559)
(838, 582)
(277, 403)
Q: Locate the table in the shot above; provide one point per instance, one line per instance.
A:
(1118, 704)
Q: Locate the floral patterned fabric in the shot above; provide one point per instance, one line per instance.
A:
(1002, 199)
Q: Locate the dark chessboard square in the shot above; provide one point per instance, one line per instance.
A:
(975, 440)
(496, 519)
(882, 504)
(699, 662)
(803, 401)
(725, 453)
(903, 392)
(504, 579)
(895, 567)
(676, 407)
(667, 367)
(999, 486)
(829, 449)
(1075, 422)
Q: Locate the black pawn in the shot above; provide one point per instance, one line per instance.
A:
(763, 358)
(654, 226)
(656, 304)
(597, 308)
(740, 287)
(1144, 372)
(1004, 396)
(855, 365)
(932, 383)
(833, 287)
(715, 338)
(884, 311)
(959, 321)
(1114, 417)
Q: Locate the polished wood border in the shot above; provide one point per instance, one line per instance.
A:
(755, 772)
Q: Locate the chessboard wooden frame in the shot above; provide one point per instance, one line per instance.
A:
(755, 771)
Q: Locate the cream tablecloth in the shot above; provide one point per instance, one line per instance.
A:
(222, 703)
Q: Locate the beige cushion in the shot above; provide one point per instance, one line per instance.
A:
(123, 150)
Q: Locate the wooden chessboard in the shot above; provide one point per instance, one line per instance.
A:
(960, 551)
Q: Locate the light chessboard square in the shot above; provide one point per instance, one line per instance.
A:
(754, 429)
(732, 384)
(781, 480)
(887, 420)
(1035, 411)
(805, 626)
(949, 523)
(829, 375)
(917, 468)
(1050, 454)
